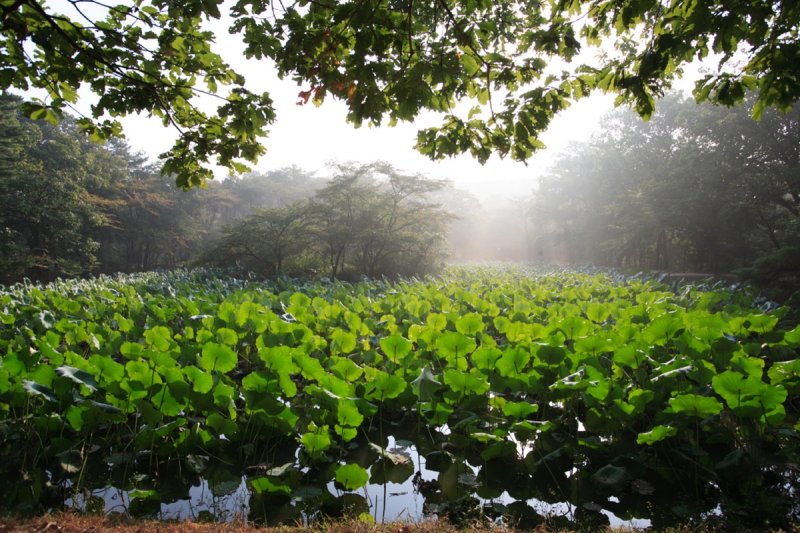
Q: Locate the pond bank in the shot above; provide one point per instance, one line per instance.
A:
(71, 522)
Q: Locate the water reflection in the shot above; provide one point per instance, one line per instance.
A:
(410, 490)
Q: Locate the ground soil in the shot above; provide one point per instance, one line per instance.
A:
(78, 523)
(70, 522)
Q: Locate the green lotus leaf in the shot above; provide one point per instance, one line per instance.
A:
(499, 449)
(574, 327)
(485, 358)
(337, 388)
(519, 410)
(347, 433)
(123, 324)
(288, 386)
(656, 434)
(310, 367)
(454, 345)
(640, 398)
(501, 324)
(47, 350)
(222, 425)
(316, 441)
(436, 321)
(131, 350)
(772, 396)
(74, 416)
(761, 323)
(345, 368)
(258, 382)
(348, 414)
(661, 330)
(386, 386)
(784, 371)
(793, 337)
(629, 356)
(695, 405)
(224, 395)
(279, 359)
(513, 361)
(143, 494)
(471, 382)
(217, 357)
(227, 336)
(104, 407)
(750, 366)
(735, 388)
(551, 355)
(265, 485)
(108, 370)
(343, 342)
(396, 347)
(593, 344)
(141, 372)
(351, 476)
(598, 312)
(202, 382)
(227, 313)
(470, 324)
(159, 338)
(165, 401)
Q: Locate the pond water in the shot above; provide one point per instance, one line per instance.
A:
(384, 502)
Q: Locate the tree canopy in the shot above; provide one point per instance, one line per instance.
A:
(696, 189)
(368, 220)
(389, 60)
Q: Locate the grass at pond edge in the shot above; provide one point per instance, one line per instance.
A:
(70, 522)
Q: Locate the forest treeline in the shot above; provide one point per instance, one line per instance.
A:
(71, 207)
(697, 188)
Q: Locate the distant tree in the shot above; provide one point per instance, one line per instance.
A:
(388, 61)
(340, 212)
(367, 220)
(276, 188)
(380, 219)
(402, 230)
(264, 241)
(157, 226)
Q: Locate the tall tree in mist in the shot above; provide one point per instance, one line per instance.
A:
(696, 188)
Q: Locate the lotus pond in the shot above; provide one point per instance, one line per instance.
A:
(513, 394)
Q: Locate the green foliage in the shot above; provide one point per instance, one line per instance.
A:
(389, 63)
(143, 381)
(71, 207)
(47, 218)
(217, 357)
(351, 476)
